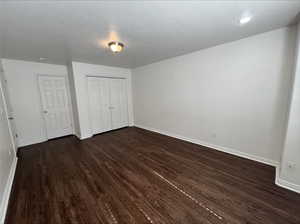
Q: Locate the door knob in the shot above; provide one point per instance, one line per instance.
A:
(45, 111)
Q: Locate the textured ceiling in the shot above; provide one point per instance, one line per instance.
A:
(151, 30)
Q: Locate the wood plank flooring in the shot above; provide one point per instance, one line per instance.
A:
(135, 176)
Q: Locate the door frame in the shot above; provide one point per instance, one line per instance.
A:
(41, 102)
(14, 143)
(108, 77)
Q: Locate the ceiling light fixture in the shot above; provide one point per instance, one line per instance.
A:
(42, 59)
(115, 47)
(245, 19)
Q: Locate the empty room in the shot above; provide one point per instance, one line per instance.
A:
(150, 112)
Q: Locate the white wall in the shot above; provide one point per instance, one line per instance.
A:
(80, 73)
(290, 164)
(233, 96)
(25, 97)
(73, 100)
(7, 155)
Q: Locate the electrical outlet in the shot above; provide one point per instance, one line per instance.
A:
(291, 165)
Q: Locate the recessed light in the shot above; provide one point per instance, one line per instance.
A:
(42, 59)
(245, 19)
(115, 47)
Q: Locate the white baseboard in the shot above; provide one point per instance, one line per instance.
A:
(31, 142)
(78, 136)
(84, 137)
(279, 181)
(285, 184)
(216, 147)
(89, 136)
(7, 191)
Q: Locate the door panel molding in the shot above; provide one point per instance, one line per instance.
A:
(55, 105)
(8, 110)
(115, 106)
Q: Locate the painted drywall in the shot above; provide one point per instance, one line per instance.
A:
(151, 30)
(80, 73)
(7, 155)
(25, 97)
(73, 100)
(233, 96)
(290, 164)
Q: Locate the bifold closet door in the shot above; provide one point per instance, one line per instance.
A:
(99, 104)
(118, 103)
(107, 103)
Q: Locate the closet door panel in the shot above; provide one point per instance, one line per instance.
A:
(118, 103)
(100, 114)
(123, 106)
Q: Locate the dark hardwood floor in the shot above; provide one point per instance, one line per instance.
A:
(136, 176)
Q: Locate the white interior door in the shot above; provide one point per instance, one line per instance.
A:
(118, 103)
(10, 112)
(99, 104)
(55, 106)
(7, 152)
(7, 147)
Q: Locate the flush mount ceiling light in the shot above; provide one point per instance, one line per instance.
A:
(245, 19)
(115, 47)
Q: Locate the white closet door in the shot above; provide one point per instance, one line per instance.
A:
(118, 103)
(55, 106)
(100, 114)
